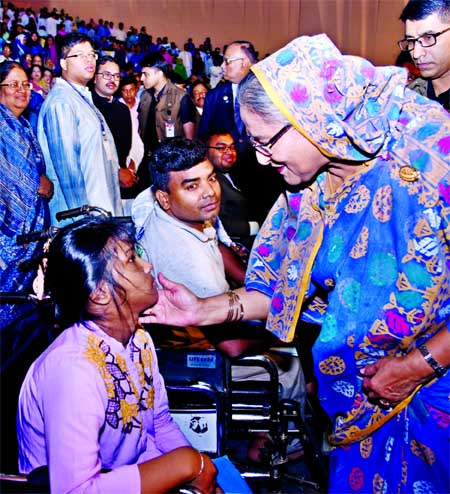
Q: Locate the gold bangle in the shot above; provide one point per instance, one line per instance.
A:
(235, 307)
(202, 465)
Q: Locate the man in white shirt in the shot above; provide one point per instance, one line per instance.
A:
(119, 32)
(128, 92)
(52, 24)
(186, 56)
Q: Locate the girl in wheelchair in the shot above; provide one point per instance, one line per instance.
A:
(93, 407)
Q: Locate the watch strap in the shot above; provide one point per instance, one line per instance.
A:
(429, 359)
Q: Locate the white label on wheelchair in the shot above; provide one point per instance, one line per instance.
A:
(196, 361)
(199, 427)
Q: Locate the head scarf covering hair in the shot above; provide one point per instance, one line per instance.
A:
(344, 105)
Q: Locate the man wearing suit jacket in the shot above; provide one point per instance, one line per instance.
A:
(220, 103)
(235, 211)
(221, 111)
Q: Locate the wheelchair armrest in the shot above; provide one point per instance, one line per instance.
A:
(263, 361)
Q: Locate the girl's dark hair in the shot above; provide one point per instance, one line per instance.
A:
(81, 256)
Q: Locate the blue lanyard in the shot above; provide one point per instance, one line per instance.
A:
(93, 107)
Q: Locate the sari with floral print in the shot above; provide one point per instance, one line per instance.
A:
(378, 249)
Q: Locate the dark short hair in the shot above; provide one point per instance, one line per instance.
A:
(247, 48)
(72, 39)
(6, 66)
(174, 155)
(157, 61)
(104, 59)
(416, 10)
(216, 132)
(127, 80)
(196, 83)
(81, 256)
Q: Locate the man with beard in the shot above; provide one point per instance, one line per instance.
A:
(235, 209)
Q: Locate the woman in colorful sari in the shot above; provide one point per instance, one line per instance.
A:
(24, 194)
(365, 232)
(24, 187)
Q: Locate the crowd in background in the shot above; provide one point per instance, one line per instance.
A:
(33, 39)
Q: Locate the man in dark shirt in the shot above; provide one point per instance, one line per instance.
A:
(235, 210)
(261, 185)
(117, 116)
(427, 38)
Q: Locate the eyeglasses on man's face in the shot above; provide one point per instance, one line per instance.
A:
(108, 76)
(228, 61)
(425, 41)
(85, 56)
(25, 85)
(223, 148)
(266, 148)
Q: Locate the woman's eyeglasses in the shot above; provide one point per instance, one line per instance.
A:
(25, 85)
(266, 148)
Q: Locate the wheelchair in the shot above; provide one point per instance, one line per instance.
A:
(216, 413)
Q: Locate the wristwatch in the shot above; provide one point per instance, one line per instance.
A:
(438, 369)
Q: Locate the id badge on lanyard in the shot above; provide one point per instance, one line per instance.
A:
(108, 148)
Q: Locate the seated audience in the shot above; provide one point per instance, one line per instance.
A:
(93, 407)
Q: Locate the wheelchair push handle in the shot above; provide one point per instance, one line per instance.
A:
(36, 236)
(22, 297)
(82, 210)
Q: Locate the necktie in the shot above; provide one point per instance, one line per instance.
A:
(237, 117)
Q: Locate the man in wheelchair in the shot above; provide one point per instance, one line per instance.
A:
(178, 226)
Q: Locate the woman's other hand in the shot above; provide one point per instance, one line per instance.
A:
(390, 380)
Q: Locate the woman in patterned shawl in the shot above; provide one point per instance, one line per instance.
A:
(24, 188)
(364, 231)
(24, 194)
